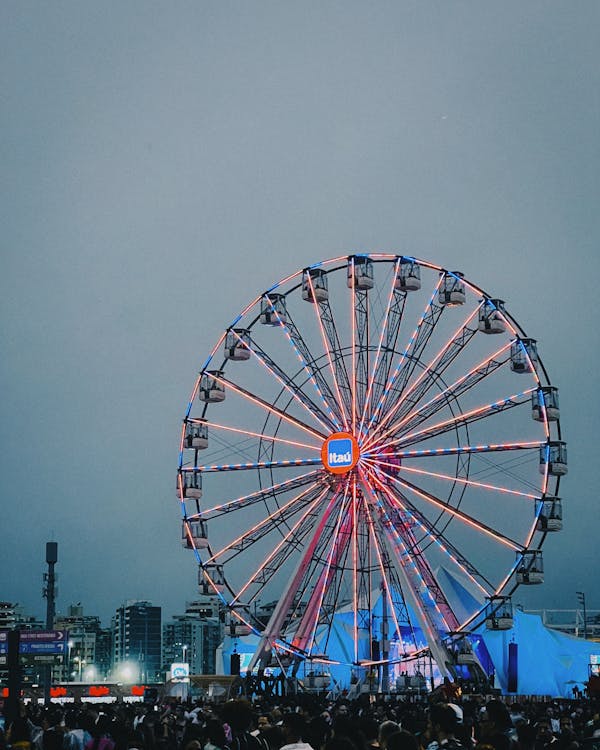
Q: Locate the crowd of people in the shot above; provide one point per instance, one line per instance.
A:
(307, 722)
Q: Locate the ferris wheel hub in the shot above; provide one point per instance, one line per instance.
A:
(340, 452)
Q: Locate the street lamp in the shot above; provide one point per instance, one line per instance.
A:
(581, 600)
(70, 645)
(80, 665)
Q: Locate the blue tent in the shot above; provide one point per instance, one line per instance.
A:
(548, 662)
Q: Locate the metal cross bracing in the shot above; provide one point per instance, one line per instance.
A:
(308, 362)
(434, 614)
(360, 353)
(316, 411)
(285, 548)
(386, 351)
(408, 358)
(410, 413)
(409, 514)
(450, 424)
(338, 362)
(290, 599)
(431, 372)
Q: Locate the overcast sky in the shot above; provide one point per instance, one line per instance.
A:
(163, 163)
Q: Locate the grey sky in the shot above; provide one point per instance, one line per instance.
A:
(162, 163)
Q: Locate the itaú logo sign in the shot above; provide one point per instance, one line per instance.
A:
(340, 453)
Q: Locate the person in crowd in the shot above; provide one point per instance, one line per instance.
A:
(442, 728)
(78, 730)
(526, 734)
(102, 738)
(53, 730)
(294, 731)
(496, 727)
(239, 716)
(545, 738)
(402, 740)
(18, 735)
(214, 735)
(386, 728)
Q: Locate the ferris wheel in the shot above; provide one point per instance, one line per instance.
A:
(369, 464)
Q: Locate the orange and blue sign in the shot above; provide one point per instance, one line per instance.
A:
(340, 453)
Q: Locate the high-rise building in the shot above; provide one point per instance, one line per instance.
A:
(137, 642)
(8, 615)
(12, 616)
(104, 652)
(81, 663)
(194, 636)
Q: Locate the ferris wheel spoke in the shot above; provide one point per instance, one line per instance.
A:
(447, 425)
(310, 367)
(432, 371)
(289, 385)
(284, 548)
(400, 502)
(384, 569)
(453, 451)
(251, 466)
(268, 407)
(261, 495)
(394, 586)
(325, 584)
(259, 435)
(409, 419)
(333, 595)
(264, 527)
(360, 355)
(459, 514)
(385, 351)
(333, 351)
(292, 594)
(386, 465)
(432, 610)
(416, 343)
(417, 563)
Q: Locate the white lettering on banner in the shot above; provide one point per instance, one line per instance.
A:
(340, 458)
